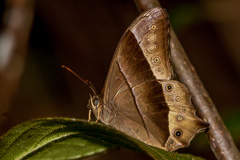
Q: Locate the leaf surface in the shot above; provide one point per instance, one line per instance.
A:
(63, 138)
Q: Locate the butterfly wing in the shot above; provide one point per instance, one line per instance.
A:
(142, 55)
(134, 98)
(146, 43)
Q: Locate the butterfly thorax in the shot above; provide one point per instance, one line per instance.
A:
(103, 111)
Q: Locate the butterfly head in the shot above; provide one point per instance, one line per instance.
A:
(94, 102)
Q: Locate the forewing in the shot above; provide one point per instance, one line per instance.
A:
(144, 49)
(141, 56)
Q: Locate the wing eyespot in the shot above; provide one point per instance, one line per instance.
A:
(179, 118)
(177, 98)
(153, 27)
(152, 37)
(184, 109)
(151, 47)
(169, 87)
(156, 60)
(178, 133)
(170, 143)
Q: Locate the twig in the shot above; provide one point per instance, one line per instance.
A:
(219, 137)
(13, 45)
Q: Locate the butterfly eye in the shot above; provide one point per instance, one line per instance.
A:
(169, 87)
(178, 133)
(95, 101)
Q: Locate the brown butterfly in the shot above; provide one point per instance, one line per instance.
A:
(139, 97)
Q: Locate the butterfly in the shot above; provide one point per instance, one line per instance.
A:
(140, 97)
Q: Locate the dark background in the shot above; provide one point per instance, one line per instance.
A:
(84, 34)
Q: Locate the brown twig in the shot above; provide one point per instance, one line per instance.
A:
(219, 137)
(13, 45)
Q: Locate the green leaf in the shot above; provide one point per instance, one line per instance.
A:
(62, 138)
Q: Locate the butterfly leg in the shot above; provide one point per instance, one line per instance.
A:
(89, 115)
(98, 115)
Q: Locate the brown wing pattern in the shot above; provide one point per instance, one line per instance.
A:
(131, 67)
(183, 122)
(119, 106)
(139, 97)
(148, 35)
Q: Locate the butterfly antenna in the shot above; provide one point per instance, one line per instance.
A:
(87, 82)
